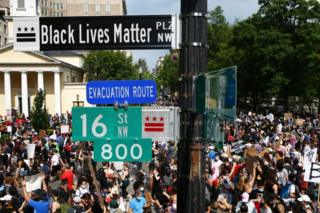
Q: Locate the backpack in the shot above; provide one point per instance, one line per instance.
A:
(101, 177)
(100, 174)
(285, 191)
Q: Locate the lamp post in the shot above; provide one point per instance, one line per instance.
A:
(140, 73)
(78, 103)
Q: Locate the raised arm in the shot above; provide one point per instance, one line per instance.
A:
(24, 191)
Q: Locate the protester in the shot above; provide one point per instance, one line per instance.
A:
(259, 169)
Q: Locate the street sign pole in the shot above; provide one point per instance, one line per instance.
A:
(193, 61)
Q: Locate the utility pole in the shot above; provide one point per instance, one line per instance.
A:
(193, 61)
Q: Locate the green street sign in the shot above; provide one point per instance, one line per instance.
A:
(91, 123)
(129, 149)
(213, 128)
(216, 92)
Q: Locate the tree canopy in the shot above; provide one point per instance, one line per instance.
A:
(277, 51)
(168, 72)
(109, 65)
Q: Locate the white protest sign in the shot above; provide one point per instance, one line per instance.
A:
(30, 150)
(270, 117)
(118, 166)
(9, 128)
(64, 129)
(312, 172)
(309, 156)
(27, 161)
(33, 182)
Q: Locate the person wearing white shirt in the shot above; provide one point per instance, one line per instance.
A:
(55, 164)
(245, 200)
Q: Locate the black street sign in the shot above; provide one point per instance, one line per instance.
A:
(99, 32)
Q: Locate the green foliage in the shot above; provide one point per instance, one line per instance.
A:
(168, 73)
(109, 65)
(276, 50)
(142, 65)
(4, 138)
(39, 114)
(220, 53)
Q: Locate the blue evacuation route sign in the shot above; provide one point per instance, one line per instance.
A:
(130, 91)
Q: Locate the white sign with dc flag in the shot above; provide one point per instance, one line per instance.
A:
(161, 123)
(26, 34)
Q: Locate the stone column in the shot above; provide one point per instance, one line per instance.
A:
(57, 93)
(24, 93)
(40, 81)
(7, 91)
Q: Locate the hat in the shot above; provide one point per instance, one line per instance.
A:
(6, 198)
(304, 198)
(77, 199)
(245, 197)
(211, 147)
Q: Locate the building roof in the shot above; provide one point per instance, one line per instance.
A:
(48, 60)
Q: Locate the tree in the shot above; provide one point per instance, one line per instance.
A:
(261, 58)
(278, 51)
(220, 53)
(109, 65)
(168, 73)
(39, 114)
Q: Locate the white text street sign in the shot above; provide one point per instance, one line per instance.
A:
(95, 32)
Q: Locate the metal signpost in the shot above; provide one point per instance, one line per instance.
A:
(130, 91)
(91, 123)
(191, 155)
(115, 149)
(134, 32)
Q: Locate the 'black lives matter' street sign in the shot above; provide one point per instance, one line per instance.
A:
(92, 33)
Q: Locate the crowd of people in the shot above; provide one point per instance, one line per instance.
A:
(263, 175)
(65, 171)
(266, 175)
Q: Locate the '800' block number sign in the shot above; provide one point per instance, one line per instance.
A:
(130, 149)
(90, 123)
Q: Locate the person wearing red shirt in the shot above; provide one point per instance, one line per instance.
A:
(67, 174)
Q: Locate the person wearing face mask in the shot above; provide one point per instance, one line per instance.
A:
(139, 185)
(83, 188)
(137, 203)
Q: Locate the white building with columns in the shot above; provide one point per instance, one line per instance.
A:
(58, 73)
(22, 74)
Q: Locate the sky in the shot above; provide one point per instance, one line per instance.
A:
(233, 10)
